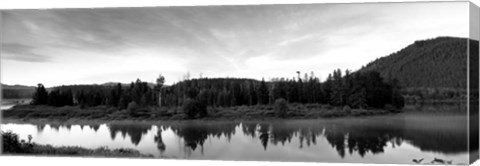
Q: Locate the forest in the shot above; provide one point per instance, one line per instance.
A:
(432, 69)
(358, 90)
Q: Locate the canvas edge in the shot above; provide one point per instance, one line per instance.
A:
(473, 84)
(473, 14)
(1, 88)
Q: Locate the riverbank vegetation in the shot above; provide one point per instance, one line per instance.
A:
(359, 93)
(11, 144)
(258, 112)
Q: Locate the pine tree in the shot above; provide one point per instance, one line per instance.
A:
(40, 97)
(263, 93)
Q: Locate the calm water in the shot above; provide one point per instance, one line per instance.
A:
(6, 106)
(380, 139)
(9, 103)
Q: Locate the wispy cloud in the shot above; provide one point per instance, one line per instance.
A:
(20, 52)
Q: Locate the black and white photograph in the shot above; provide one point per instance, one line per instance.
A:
(381, 83)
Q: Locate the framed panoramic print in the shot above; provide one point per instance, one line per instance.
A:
(388, 83)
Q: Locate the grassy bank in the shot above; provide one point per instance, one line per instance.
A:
(13, 146)
(258, 112)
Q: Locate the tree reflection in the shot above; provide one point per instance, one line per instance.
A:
(195, 134)
(40, 128)
(95, 127)
(366, 141)
(308, 136)
(347, 136)
(281, 133)
(249, 129)
(69, 127)
(363, 138)
(264, 135)
(135, 131)
(355, 136)
(55, 127)
(336, 138)
(159, 141)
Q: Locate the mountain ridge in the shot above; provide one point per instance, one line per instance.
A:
(432, 63)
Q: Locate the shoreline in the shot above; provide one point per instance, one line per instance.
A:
(73, 114)
(22, 147)
(162, 121)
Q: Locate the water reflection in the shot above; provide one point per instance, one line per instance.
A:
(135, 131)
(159, 141)
(264, 135)
(40, 128)
(195, 134)
(439, 135)
(362, 139)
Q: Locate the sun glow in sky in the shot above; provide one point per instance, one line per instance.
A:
(86, 46)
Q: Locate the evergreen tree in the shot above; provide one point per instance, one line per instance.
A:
(40, 97)
(263, 93)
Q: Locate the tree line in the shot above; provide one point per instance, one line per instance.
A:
(118, 95)
(356, 90)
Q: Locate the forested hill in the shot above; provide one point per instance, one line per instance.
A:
(17, 91)
(434, 63)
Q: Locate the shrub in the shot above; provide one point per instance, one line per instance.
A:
(143, 112)
(10, 143)
(193, 107)
(398, 101)
(390, 108)
(202, 110)
(132, 108)
(347, 109)
(281, 107)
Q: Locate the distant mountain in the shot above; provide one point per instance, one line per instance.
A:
(17, 91)
(5, 86)
(434, 63)
(22, 91)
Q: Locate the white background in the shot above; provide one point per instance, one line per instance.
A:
(51, 161)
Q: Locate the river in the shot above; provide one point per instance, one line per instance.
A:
(384, 139)
(9, 103)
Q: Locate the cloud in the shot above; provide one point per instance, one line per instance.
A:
(20, 52)
(237, 41)
(196, 33)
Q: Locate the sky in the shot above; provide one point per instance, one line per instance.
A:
(87, 46)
